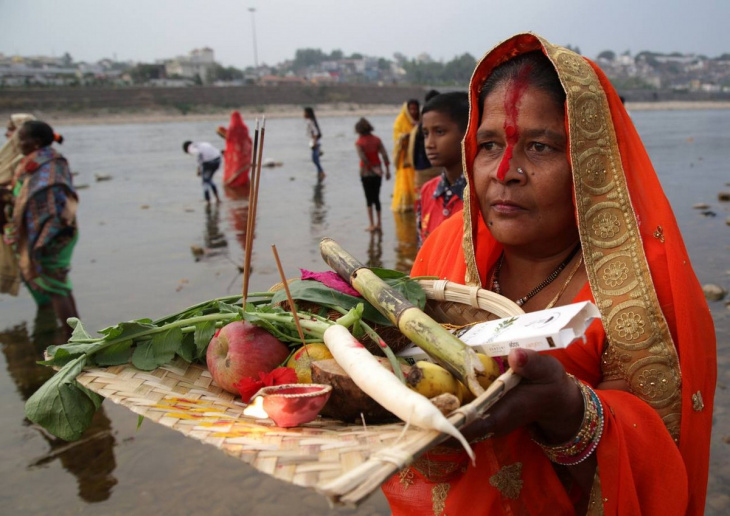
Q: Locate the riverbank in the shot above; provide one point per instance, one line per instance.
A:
(219, 115)
(249, 113)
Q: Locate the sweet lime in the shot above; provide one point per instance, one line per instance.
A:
(301, 360)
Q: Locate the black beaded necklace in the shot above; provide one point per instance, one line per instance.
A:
(521, 301)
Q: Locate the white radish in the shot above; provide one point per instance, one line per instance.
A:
(382, 385)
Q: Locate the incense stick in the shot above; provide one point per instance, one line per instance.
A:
(253, 186)
(292, 308)
(257, 172)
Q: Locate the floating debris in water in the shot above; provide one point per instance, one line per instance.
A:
(102, 177)
(198, 252)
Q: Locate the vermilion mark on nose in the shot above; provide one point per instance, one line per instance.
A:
(515, 90)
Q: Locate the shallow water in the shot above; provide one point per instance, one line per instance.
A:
(134, 260)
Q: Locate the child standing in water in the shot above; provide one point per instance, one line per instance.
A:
(315, 135)
(370, 148)
(444, 121)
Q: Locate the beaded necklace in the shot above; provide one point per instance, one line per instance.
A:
(521, 301)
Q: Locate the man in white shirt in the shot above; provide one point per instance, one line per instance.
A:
(209, 160)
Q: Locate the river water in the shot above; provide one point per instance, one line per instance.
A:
(134, 260)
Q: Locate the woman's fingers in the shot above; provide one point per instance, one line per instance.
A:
(546, 398)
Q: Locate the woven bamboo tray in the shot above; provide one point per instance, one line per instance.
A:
(345, 462)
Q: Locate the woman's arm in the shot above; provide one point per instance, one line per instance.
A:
(386, 160)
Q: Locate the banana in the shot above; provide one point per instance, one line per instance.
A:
(490, 373)
(485, 378)
(431, 380)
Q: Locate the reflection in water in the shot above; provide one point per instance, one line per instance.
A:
(407, 245)
(375, 249)
(238, 219)
(318, 211)
(215, 240)
(238, 212)
(91, 459)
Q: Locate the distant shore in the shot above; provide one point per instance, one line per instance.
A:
(288, 111)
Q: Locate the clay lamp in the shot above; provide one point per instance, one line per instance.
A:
(289, 404)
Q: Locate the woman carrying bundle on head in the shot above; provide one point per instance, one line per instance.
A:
(563, 205)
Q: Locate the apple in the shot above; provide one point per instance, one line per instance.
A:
(242, 350)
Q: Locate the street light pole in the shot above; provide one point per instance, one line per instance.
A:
(252, 10)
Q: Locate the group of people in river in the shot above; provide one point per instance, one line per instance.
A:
(543, 193)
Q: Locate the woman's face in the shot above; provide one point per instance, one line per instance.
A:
(533, 208)
(26, 143)
(413, 110)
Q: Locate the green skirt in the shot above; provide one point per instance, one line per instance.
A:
(53, 278)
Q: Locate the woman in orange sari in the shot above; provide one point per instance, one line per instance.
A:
(237, 156)
(404, 193)
(563, 205)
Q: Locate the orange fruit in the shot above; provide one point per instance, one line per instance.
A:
(301, 360)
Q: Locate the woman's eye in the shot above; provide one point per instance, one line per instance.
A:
(488, 146)
(539, 147)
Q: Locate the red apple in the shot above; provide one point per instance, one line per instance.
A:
(242, 350)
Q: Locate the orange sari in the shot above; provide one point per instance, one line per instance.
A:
(239, 150)
(656, 331)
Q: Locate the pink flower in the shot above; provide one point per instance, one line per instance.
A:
(332, 280)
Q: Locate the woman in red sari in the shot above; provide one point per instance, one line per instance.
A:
(563, 205)
(238, 153)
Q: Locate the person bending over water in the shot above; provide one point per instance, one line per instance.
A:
(209, 161)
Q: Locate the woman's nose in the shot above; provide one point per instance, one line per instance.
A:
(511, 172)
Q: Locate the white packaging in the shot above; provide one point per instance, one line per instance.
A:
(540, 331)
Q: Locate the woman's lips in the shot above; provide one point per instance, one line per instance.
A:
(506, 207)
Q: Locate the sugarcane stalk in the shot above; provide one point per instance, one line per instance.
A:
(429, 335)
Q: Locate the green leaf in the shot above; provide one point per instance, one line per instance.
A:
(140, 418)
(203, 333)
(187, 349)
(158, 351)
(115, 354)
(127, 329)
(225, 308)
(79, 331)
(410, 289)
(385, 274)
(318, 293)
(61, 405)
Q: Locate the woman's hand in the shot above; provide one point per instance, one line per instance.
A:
(546, 398)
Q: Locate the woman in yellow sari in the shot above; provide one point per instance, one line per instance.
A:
(404, 189)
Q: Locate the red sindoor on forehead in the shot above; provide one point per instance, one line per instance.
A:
(515, 90)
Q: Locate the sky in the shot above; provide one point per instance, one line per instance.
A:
(148, 30)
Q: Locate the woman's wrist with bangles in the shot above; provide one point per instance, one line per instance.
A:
(585, 441)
